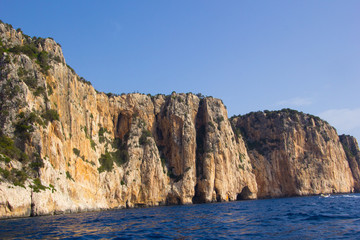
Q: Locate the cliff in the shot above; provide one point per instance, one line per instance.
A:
(352, 152)
(293, 153)
(79, 149)
(65, 147)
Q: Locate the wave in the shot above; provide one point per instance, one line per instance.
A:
(351, 196)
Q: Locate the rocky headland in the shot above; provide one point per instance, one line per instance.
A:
(65, 147)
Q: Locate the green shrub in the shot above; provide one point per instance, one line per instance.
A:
(52, 188)
(15, 176)
(57, 59)
(241, 157)
(238, 132)
(10, 89)
(31, 82)
(5, 173)
(37, 187)
(76, 151)
(51, 115)
(219, 119)
(101, 134)
(68, 176)
(83, 80)
(20, 177)
(50, 90)
(143, 138)
(71, 69)
(8, 148)
(86, 131)
(22, 72)
(6, 159)
(163, 162)
(39, 91)
(28, 49)
(24, 129)
(24, 126)
(120, 156)
(106, 161)
(93, 144)
(37, 162)
(43, 61)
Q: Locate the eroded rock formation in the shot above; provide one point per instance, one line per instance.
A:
(294, 154)
(352, 152)
(86, 150)
(64, 147)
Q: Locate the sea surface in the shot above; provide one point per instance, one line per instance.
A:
(334, 217)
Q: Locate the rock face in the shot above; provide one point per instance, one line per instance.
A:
(64, 147)
(81, 150)
(352, 152)
(294, 154)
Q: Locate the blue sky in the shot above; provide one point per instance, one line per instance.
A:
(254, 55)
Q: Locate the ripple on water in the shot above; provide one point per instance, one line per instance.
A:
(289, 218)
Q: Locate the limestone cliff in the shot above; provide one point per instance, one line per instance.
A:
(66, 147)
(294, 154)
(352, 152)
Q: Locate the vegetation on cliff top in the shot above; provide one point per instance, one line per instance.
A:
(287, 112)
(30, 49)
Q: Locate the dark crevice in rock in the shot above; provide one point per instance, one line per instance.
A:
(200, 139)
(173, 200)
(200, 150)
(123, 124)
(198, 197)
(245, 194)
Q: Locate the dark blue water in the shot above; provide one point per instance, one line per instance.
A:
(335, 217)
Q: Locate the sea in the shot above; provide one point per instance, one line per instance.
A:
(314, 217)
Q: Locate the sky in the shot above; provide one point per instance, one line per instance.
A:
(254, 55)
